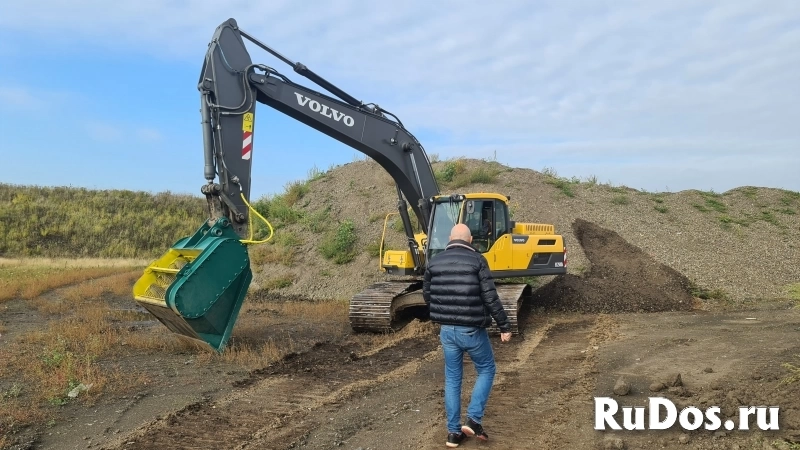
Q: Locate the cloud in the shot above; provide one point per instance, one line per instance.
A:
(149, 135)
(104, 132)
(18, 97)
(604, 80)
(15, 98)
(116, 132)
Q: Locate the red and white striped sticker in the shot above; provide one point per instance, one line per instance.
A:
(247, 135)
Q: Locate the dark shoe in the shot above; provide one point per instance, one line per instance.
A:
(472, 428)
(453, 439)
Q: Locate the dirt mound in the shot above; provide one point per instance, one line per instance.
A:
(622, 278)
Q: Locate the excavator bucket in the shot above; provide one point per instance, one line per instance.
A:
(198, 286)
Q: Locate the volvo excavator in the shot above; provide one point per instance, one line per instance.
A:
(196, 289)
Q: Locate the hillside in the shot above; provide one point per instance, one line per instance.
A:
(78, 222)
(741, 244)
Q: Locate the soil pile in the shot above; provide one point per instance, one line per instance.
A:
(622, 278)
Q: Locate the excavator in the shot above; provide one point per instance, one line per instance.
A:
(196, 289)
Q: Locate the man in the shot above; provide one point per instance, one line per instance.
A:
(462, 298)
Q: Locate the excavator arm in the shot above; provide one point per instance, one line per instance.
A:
(231, 86)
(197, 288)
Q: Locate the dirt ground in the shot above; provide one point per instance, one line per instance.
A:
(626, 317)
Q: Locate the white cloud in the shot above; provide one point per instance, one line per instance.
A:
(149, 134)
(608, 80)
(115, 131)
(17, 98)
(104, 132)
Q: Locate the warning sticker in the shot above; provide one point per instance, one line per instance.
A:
(247, 122)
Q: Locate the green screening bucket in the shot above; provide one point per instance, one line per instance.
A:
(198, 286)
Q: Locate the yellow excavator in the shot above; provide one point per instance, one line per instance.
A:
(197, 288)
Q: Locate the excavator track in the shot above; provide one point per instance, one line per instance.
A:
(375, 308)
(511, 296)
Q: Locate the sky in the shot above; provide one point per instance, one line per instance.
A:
(662, 96)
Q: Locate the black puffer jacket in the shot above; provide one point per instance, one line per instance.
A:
(459, 289)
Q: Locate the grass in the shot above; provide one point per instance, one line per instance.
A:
(81, 339)
(339, 244)
(620, 200)
(78, 222)
(793, 292)
(708, 294)
(374, 248)
(563, 184)
(454, 174)
(726, 222)
(28, 281)
(43, 365)
(750, 192)
(770, 218)
(283, 249)
(794, 373)
(661, 208)
(279, 282)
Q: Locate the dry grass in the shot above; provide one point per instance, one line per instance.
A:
(325, 310)
(44, 364)
(250, 355)
(74, 262)
(29, 281)
(70, 298)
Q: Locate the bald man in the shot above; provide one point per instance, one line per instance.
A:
(462, 298)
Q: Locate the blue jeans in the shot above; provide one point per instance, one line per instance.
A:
(474, 341)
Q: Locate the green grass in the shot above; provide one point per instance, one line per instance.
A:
(661, 208)
(620, 200)
(450, 170)
(770, 218)
(750, 192)
(454, 174)
(279, 282)
(374, 248)
(339, 245)
(793, 291)
(318, 221)
(708, 294)
(78, 222)
(563, 184)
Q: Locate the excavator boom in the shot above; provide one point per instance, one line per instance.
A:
(196, 289)
(199, 296)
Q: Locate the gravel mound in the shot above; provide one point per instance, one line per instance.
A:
(622, 278)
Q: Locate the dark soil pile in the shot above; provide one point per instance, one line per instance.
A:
(622, 278)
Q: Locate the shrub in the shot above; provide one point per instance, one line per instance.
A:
(339, 245)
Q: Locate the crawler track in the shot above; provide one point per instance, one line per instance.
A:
(376, 308)
(372, 308)
(511, 296)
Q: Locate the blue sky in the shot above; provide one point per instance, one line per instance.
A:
(654, 95)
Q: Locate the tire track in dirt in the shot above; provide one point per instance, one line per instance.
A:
(541, 396)
(275, 408)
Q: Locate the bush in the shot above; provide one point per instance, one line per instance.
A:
(339, 245)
